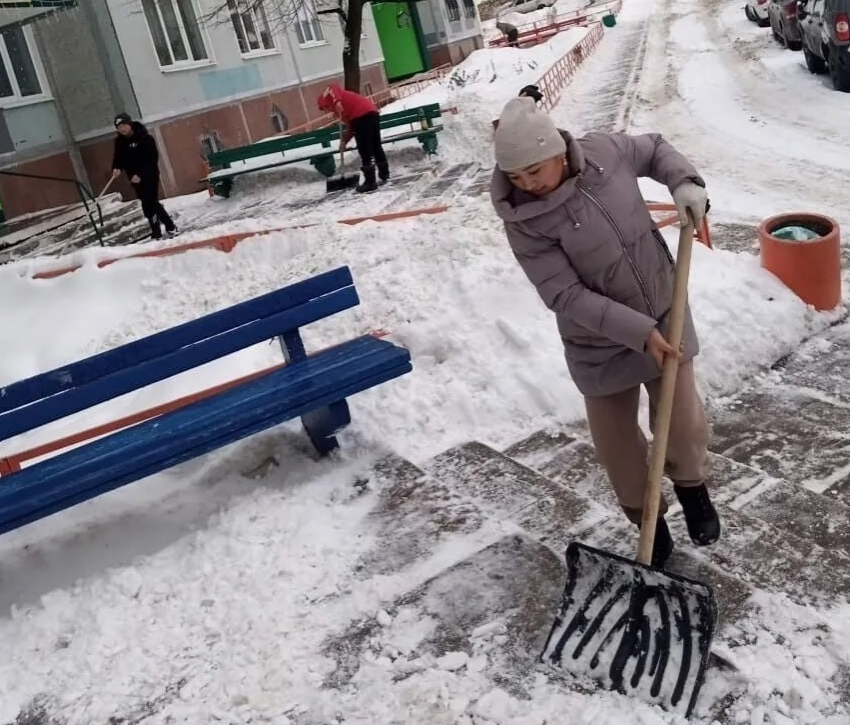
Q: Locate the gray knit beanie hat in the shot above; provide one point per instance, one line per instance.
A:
(526, 135)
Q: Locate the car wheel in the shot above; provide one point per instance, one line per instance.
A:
(750, 13)
(840, 77)
(814, 63)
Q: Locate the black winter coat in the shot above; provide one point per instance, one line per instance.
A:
(137, 155)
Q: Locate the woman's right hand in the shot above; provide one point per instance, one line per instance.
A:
(658, 347)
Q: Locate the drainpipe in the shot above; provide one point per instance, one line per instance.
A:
(420, 36)
(286, 40)
(64, 122)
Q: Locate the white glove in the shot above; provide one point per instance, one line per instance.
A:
(690, 197)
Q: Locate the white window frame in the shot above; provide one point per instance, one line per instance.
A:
(256, 9)
(175, 64)
(307, 16)
(16, 99)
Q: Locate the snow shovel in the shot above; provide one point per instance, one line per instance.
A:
(631, 627)
(341, 182)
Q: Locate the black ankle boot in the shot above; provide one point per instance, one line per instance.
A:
(662, 546)
(700, 515)
(369, 182)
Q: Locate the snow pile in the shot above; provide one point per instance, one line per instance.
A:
(486, 353)
(479, 88)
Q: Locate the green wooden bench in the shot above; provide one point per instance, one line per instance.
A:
(221, 176)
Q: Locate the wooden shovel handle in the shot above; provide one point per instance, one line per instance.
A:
(664, 410)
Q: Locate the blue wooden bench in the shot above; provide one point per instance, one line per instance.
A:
(313, 387)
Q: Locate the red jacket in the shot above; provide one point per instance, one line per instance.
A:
(347, 105)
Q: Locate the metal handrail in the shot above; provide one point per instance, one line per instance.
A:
(86, 197)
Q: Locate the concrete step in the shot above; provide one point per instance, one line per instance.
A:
(493, 606)
(478, 586)
(413, 515)
(555, 514)
(789, 433)
(509, 491)
(498, 601)
(777, 536)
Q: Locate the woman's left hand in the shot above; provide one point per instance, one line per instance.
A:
(693, 198)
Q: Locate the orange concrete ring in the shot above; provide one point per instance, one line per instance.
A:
(812, 269)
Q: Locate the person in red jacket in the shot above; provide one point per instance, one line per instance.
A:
(363, 122)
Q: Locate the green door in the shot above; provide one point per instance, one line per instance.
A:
(396, 24)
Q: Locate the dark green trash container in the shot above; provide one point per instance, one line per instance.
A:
(610, 20)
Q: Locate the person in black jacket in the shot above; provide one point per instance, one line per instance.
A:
(137, 156)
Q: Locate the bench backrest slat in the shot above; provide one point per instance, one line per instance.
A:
(275, 145)
(126, 380)
(154, 346)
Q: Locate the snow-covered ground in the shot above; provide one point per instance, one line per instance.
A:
(211, 593)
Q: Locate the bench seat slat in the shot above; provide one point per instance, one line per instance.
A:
(154, 445)
(79, 373)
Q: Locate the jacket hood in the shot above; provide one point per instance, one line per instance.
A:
(514, 205)
(326, 99)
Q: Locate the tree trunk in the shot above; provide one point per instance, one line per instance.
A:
(351, 49)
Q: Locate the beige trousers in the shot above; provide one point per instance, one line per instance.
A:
(622, 449)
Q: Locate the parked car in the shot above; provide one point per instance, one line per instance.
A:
(783, 23)
(756, 11)
(825, 27)
(523, 6)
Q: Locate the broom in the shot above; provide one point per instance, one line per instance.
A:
(341, 182)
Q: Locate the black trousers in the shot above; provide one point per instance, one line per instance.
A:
(367, 134)
(147, 191)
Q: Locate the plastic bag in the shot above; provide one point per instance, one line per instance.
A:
(795, 233)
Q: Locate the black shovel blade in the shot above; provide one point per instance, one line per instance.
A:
(341, 183)
(634, 629)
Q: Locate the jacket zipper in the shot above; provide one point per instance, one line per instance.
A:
(632, 264)
(663, 245)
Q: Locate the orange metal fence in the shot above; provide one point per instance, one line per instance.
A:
(227, 242)
(703, 233)
(554, 80)
(541, 31)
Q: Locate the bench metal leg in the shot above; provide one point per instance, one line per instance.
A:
(322, 424)
(222, 187)
(325, 165)
(429, 143)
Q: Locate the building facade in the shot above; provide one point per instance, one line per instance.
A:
(419, 36)
(201, 74)
(452, 30)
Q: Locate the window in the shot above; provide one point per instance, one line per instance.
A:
(453, 10)
(468, 8)
(251, 25)
(176, 31)
(18, 75)
(307, 26)
(210, 144)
